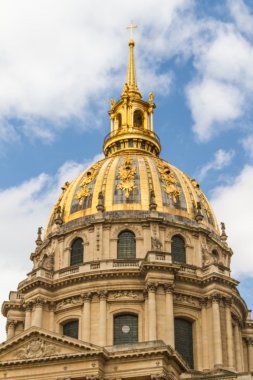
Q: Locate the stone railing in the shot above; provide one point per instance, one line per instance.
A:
(158, 256)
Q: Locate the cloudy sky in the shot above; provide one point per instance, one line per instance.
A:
(60, 63)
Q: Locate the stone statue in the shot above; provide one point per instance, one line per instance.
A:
(156, 244)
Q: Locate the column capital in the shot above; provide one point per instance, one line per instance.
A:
(168, 288)
(215, 298)
(103, 295)
(28, 306)
(87, 297)
(249, 341)
(39, 302)
(151, 287)
(11, 323)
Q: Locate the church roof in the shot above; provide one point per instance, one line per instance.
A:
(132, 177)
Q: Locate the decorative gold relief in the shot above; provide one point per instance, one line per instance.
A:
(88, 177)
(202, 198)
(169, 181)
(127, 172)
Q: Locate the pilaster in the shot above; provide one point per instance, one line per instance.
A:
(169, 327)
(216, 331)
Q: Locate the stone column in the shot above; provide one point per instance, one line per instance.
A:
(152, 311)
(38, 313)
(28, 316)
(238, 352)
(205, 342)
(229, 333)
(102, 318)
(216, 332)
(145, 295)
(86, 318)
(250, 353)
(51, 316)
(10, 329)
(169, 328)
(151, 121)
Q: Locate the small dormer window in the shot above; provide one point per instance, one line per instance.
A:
(138, 119)
(119, 120)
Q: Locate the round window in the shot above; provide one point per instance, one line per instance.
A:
(125, 329)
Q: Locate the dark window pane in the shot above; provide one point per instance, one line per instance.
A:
(130, 143)
(126, 245)
(138, 119)
(183, 340)
(71, 329)
(178, 249)
(143, 144)
(125, 329)
(76, 256)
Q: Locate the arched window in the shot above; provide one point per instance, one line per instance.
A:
(138, 119)
(76, 255)
(178, 249)
(126, 245)
(183, 339)
(125, 329)
(71, 329)
(215, 256)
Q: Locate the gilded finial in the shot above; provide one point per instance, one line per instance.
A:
(132, 27)
(131, 80)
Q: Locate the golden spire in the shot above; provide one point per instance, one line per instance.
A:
(131, 80)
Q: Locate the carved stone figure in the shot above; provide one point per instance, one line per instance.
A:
(36, 348)
(156, 244)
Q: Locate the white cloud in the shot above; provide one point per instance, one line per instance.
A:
(213, 104)
(58, 57)
(23, 208)
(220, 94)
(233, 205)
(221, 159)
(242, 15)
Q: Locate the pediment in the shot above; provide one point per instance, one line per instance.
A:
(39, 344)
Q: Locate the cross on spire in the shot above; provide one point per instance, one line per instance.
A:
(131, 27)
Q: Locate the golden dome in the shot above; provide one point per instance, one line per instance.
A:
(133, 182)
(132, 177)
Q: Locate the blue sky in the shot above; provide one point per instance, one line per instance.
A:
(60, 63)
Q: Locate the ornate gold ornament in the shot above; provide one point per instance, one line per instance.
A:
(88, 177)
(202, 198)
(169, 181)
(127, 172)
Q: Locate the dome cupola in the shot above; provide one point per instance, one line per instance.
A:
(132, 127)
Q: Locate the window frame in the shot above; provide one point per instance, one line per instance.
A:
(184, 251)
(126, 314)
(192, 348)
(69, 321)
(71, 252)
(133, 255)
